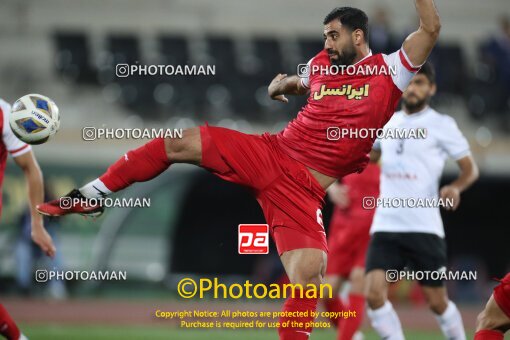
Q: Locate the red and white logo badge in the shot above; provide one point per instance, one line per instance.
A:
(253, 239)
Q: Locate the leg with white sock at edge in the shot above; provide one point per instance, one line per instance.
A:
(492, 322)
(383, 317)
(138, 165)
(446, 312)
(304, 267)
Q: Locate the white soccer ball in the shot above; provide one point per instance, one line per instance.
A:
(34, 118)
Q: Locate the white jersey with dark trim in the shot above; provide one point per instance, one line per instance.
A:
(411, 169)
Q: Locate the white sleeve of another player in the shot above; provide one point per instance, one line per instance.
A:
(305, 80)
(452, 140)
(12, 143)
(400, 68)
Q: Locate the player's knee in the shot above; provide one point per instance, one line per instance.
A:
(437, 299)
(375, 288)
(307, 277)
(357, 279)
(375, 297)
(438, 307)
(334, 282)
(305, 266)
(483, 321)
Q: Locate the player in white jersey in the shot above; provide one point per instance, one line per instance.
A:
(24, 158)
(407, 231)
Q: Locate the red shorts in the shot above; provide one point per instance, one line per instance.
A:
(290, 197)
(502, 294)
(348, 241)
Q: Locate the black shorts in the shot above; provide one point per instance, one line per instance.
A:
(391, 251)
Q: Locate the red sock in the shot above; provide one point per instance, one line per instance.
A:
(487, 334)
(291, 331)
(8, 327)
(138, 165)
(334, 305)
(350, 325)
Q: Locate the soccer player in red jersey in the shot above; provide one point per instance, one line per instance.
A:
(494, 320)
(288, 172)
(349, 235)
(25, 159)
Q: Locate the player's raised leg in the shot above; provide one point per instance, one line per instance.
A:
(138, 165)
(382, 316)
(304, 267)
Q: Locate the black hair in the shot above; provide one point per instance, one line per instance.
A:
(428, 71)
(351, 17)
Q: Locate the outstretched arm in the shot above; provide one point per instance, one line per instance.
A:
(282, 85)
(418, 44)
(34, 181)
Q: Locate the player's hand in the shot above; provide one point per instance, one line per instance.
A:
(450, 192)
(41, 237)
(339, 195)
(274, 87)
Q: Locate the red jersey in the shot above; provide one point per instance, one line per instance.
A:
(363, 100)
(360, 186)
(9, 143)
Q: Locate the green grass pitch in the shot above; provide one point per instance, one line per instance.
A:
(83, 332)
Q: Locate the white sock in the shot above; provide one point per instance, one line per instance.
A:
(23, 337)
(385, 322)
(451, 323)
(95, 189)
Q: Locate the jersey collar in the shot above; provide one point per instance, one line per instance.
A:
(365, 57)
(416, 114)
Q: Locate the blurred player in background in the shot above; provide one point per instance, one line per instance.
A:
(414, 236)
(28, 255)
(24, 158)
(349, 235)
(494, 320)
(288, 172)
